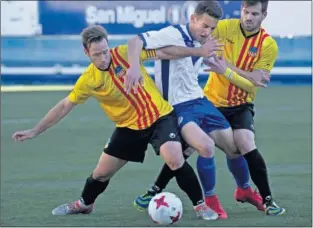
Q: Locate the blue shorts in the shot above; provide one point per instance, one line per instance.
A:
(203, 113)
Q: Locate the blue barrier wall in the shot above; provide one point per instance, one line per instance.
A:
(56, 60)
(118, 17)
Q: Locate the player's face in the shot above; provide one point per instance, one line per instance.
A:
(252, 17)
(99, 54)
(202, 26)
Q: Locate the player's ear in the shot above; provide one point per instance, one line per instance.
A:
(86, 52)
(193, 18)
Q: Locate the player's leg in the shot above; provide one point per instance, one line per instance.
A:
(164, 177)
(243, 125)
(166, 142)
(194, 129)
(166, 174)
(218, 128)
(194, 136)
(115, 156)
(190, 115)
(198, 139)
(94, 186)
(238, 166)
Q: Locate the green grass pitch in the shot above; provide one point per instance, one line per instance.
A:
(40, 174)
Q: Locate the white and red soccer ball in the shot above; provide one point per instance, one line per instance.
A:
(165, 208)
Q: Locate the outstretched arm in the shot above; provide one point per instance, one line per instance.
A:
(55, 114)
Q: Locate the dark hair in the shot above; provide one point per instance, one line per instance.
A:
(254, 2)
(212, 8)
(94, 33)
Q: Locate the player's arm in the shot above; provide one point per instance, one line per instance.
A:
(166, 44)
(207, 50)
(150, 40)
(262, 67)
(55, 114)
(138, 51)
(239, 81)
(219, 66)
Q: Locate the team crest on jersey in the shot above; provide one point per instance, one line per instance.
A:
(253, 51)
(119, 71)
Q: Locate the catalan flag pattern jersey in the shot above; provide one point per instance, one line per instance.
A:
(255, 52)
(135, 110)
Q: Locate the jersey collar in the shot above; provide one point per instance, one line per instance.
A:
(107, 69)
(189, 33)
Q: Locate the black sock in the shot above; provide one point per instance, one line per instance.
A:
(258, 173)
(92, 189)
(187, 180)
(164, 178)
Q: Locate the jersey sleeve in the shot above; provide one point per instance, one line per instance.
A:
(268, 56)
(242, 83)
(220, 32)
(167, 36)
(81, 90)
(144, 55)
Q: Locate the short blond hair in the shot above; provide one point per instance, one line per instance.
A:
(94, 33)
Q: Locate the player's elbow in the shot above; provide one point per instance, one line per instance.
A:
(66, 105)
(135, 42)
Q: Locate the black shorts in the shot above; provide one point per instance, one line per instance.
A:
(131, 145)
(239, 117)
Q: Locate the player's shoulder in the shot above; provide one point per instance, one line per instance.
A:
(119, 49)
(174, 30)
(268, 41)
(87, 74)
(231, 22)
(89, 78)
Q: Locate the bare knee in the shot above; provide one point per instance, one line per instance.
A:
(107, 166)
(245, 140)
(224, 139)
(206, 148)
(172, 154)
(100, 174)
(198, 139)
(230, 148)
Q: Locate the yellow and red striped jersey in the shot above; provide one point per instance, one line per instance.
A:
(134, 110)
(248, 52)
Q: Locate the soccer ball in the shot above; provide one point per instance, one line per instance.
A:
(165, 208)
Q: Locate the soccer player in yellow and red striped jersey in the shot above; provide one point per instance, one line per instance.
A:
(141, 117)
(249, 55)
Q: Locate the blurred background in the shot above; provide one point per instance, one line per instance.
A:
(41, 44)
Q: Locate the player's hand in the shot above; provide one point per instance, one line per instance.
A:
(216, 64)
(210, 47)
(259, 78)
(132, 78)
(22, 135)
